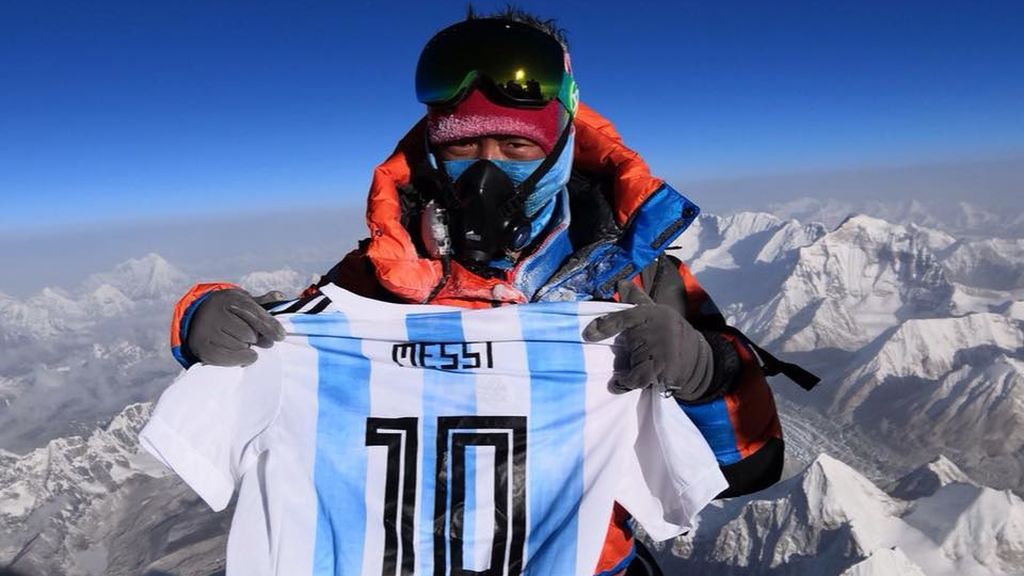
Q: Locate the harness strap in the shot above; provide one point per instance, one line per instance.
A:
(772, 366)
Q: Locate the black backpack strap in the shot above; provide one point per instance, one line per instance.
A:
(772, 366)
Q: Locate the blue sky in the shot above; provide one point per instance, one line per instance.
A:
(127, 110)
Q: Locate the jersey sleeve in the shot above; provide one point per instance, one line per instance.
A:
(671, 474)
(208, 426)
(182, 316)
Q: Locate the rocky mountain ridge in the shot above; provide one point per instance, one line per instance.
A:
(917, 333)
(831, 520)
(99, 505)
(916, 348)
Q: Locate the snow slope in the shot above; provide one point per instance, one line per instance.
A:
(831, 520)
(71, 358)
(99, 506)
(913, 359)
(917, 333)
(850, 286)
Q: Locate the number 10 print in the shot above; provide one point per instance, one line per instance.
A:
(506, 436)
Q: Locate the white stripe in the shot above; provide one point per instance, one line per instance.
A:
(281, 306)
(604, 413)
(293, 468)
(395, 392)
(309, 305)
(483, 517)
(499, 392)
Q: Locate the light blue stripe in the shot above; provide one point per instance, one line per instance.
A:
(444, 393)
(557, 411)
(340, 468)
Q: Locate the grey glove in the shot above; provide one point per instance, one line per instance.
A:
(663, 349)
(228, 322)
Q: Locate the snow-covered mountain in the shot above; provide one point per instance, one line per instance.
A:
(73, 357)
(994, 263)
(285, 280)
(42, 316)
(927, 479)
(54, 312)
(727, 252)
(742, 239)
(852, 284)
(98, 505)
(147, 278)
(831, 520)
(959, 218)
(77, 497)
(919, 335)
(955, 384)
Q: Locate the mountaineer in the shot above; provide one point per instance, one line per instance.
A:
(509, 191)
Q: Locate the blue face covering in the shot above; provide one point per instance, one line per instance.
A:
(540, 205)
(542, 198)
(517, 170)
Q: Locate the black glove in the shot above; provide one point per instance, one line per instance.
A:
(228, 322)
(663, 349)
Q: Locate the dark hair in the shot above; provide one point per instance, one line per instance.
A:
(516, 14)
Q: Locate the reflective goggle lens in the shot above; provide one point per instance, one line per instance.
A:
(515, 61)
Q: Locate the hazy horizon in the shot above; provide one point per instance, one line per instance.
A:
(226, 245)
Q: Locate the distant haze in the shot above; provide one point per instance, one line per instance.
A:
(229, 245)
(209, 247)
(988, 184)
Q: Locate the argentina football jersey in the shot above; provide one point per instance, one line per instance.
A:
(386, 439)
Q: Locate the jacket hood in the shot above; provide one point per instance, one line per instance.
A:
(599, 150)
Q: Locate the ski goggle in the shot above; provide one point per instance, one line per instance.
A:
(514, 63)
